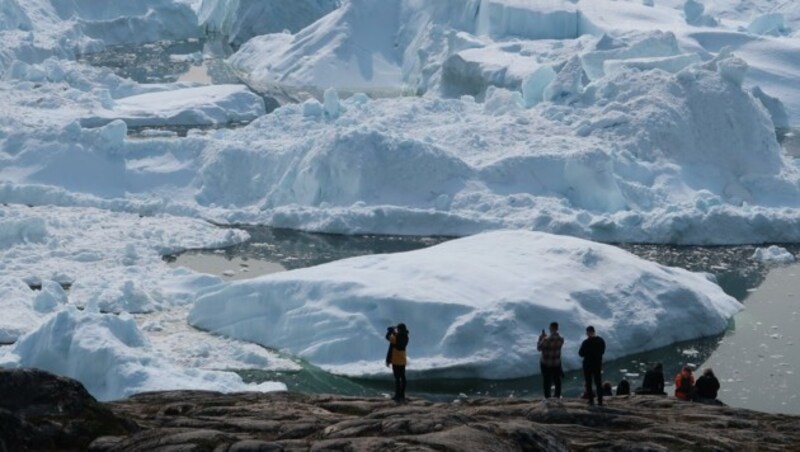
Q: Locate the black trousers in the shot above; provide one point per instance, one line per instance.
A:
(551, 376)
(399, 382)
(593, 374)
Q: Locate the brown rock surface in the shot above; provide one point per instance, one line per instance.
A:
(39, 411)
(290, 421)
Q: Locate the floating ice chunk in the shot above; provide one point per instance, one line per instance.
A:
(111, 357)
(471, 318)
(115, 296)
(772, 24)
(773, 254)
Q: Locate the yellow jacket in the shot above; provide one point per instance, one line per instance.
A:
(398, 356)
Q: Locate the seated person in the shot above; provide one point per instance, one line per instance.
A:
(653, 381)
(706, 387)
(624, 388)
(607, 391)
(684, 384)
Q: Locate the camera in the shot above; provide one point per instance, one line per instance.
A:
(390, 329)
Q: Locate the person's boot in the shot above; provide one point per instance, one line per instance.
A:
(600, 401)
(591, 400)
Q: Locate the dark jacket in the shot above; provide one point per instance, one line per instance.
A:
(591, 351)
(706, 387)
(653, 382)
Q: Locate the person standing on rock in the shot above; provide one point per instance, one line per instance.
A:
(592, 350)
(550, 360)
(396, 357)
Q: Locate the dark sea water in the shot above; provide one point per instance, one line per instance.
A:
(755, 359)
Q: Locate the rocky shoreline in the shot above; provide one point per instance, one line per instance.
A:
(40, 411)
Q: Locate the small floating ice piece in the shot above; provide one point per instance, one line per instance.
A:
(774, 255)
(229, 273)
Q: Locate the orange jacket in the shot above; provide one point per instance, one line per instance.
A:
(682, 390)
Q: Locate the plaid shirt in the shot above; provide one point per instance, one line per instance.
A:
(550, 347)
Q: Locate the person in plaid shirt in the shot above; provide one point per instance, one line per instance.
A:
(550, 360)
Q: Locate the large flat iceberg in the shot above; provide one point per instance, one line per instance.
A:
(474, 306)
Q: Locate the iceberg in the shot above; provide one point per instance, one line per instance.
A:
(112, 358)
(774, 254)
(474, 305)
(240, 20)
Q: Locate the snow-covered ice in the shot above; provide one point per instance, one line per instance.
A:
(240, 20)
(636, 155)
(207, 105)
(112, 358)
(621, 121)
(474, 306)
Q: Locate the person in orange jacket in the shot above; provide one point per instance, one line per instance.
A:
(684, 382)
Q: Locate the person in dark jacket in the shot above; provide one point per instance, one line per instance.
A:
(550, 360)
(591, 351)
(396, 357)
(706, 387)
(653, 383)
(623, 388)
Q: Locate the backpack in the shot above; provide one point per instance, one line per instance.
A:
(623, 388)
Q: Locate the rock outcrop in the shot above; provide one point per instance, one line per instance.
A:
(290, 421)
(42, 411)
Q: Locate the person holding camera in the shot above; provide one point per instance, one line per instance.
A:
(550, 360)
(396, 357)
